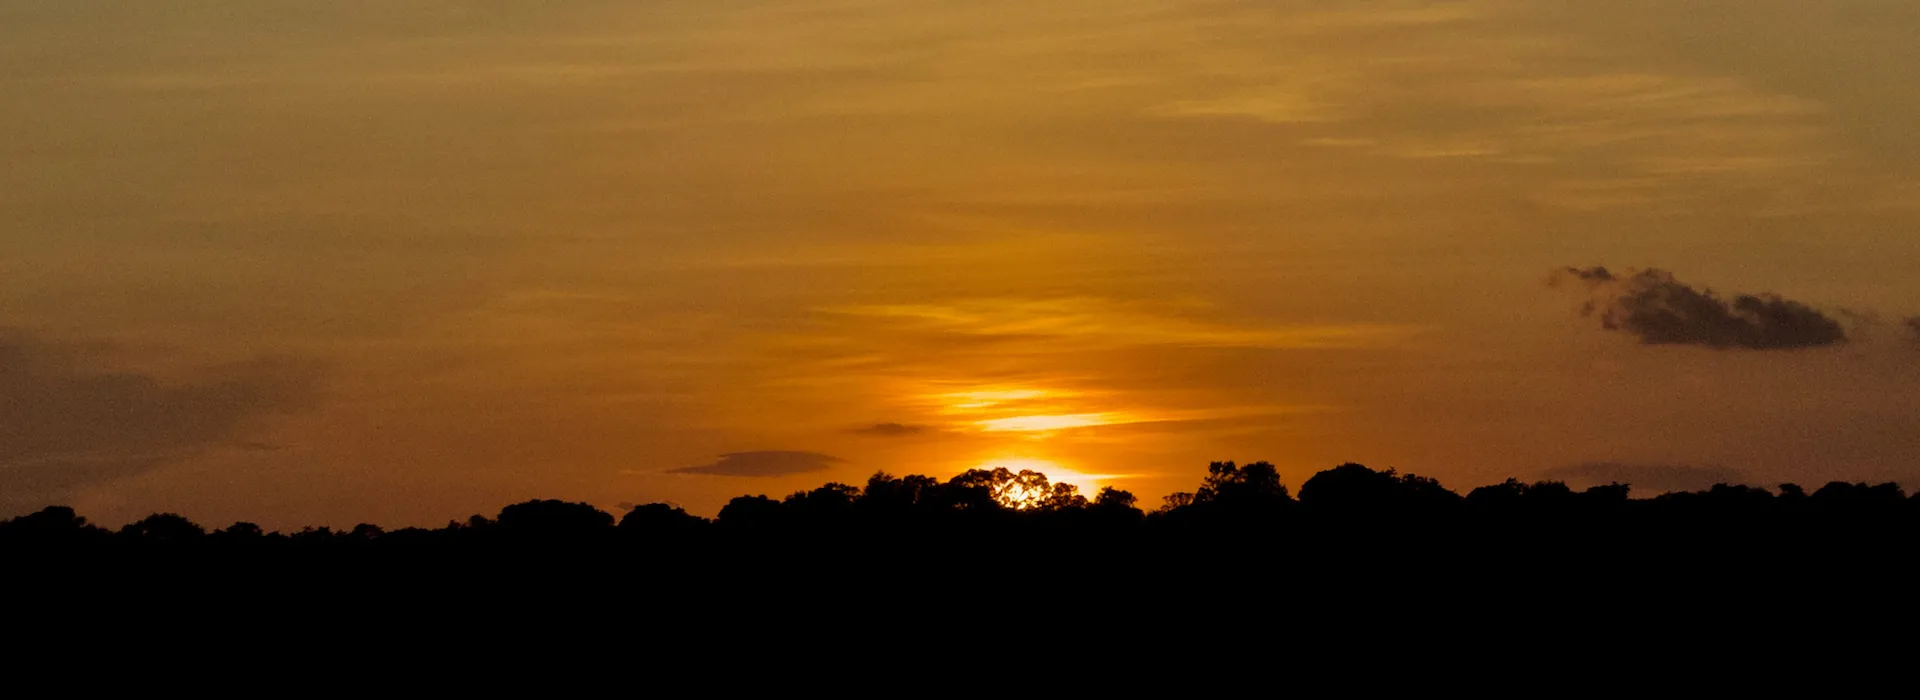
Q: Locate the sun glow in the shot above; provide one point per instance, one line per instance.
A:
(1021, 495)
(1043, 424)
(1032, 416)
(975, 400)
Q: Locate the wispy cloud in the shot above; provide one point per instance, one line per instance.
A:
(72, 420)
(765, 463)
(1049, 423)
(1496, 88)
(1100, 322)
(893, 430)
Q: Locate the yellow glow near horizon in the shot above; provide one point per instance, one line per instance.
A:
(1087, 484)
(974, 400)
(1045, 424)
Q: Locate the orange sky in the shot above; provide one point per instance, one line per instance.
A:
(304, 263)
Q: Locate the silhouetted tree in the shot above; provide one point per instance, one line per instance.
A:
(1504, 495)
(239, 533)
(661, 521)
(831, 504)
(53, 525)
(1354, 489)
(1114, 508)
(1111, 498)
(163, 528)
(1842, 494)
(1608, 495)
(1061, 496)
(365, 532)
(886, 494)
(314, 536)
(1253, 486)
(1514, 497)
(553, 520)
(979, 489)
(1174, 501)
(750, 512)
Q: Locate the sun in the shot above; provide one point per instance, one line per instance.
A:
(1022, 495)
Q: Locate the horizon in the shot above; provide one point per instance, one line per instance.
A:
(1021, 496)
(1228, 492)
(364, 262)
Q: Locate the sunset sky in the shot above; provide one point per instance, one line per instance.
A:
(319, 263)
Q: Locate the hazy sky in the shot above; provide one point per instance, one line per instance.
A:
(331, 262)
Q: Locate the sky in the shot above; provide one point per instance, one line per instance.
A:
(307, 263)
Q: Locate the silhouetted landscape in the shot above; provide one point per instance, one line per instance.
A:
(1239, 517)
(985, 554)
(981, 506)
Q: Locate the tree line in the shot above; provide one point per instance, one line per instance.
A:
(1339, 507)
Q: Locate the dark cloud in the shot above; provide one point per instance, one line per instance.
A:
(1647, 479)
(892, 430)
(1594, 274)
(1913, 329)
(1660, 310)
(67, 421)
(763, 463)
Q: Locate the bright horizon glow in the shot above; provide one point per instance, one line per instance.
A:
(1088, 485)
(1047, 424)
(975, 400)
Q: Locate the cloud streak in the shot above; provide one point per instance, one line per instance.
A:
(68, 422)
(764, 463)
(1090, 322)
(892, 430)
(1658, 309)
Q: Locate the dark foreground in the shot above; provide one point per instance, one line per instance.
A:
(1373, 559)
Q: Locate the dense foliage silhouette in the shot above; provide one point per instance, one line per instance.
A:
(992, 558)
(1347, 507)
